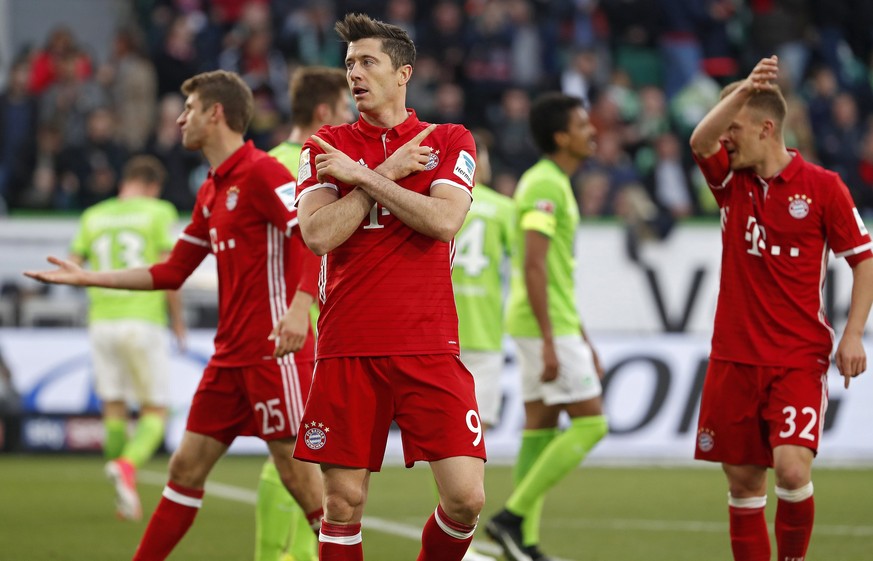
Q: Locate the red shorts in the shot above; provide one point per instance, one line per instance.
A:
(264, 400)
(354, 400)
(746, 411)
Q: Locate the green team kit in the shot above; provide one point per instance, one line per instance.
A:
(545, 203)
(288, 154)
(486, 237)
(122, 234)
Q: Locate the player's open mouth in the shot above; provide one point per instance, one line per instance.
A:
(357, 92)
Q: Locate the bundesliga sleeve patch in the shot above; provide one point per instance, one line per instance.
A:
(287, 193)
(304, 170)
(465, 167)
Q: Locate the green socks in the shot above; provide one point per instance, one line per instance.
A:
(559, 458)
(302, 541)
(146, 439)
(115, 438)
(280, 522)
(533, 442)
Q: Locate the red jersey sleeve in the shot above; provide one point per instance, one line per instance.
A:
(717, 172)
(275, 197)
(846, 233)
(457, 167)
(306, 176)
(192, 247)
(183, 260)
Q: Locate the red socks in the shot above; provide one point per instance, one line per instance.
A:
(795, 514)
(169, 523)
(750, 540)
(444, 539)
(340, 542)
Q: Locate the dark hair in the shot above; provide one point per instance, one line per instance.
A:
(311, 86)
(395, 41)
(228, 89)
(550, 114)
(770, 103)
(145, 168)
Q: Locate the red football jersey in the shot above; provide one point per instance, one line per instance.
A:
(244, 215)
(776, 237)
(387, 290)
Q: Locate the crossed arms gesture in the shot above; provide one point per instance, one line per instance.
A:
(327, 221)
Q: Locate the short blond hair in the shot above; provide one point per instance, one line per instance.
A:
(770, 103)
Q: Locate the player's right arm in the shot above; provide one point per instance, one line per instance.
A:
(69, 272)
(326, 220)
(536, 280)
(169, 275)
(705, 137)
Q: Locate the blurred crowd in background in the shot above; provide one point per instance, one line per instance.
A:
(648, 70)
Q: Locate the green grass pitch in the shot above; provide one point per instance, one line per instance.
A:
(59, 508)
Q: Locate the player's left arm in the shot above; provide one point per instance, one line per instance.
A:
(291, 330)
(439, 215)
(850, 358)
(276, 204)
(847, 234)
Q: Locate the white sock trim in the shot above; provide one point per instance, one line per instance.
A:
(450, 531)
(748, 502)
(795, 495)
(340, 540)
(183, 500)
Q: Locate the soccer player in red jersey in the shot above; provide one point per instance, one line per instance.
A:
(381, 200)
(765, 392)
(257, 380)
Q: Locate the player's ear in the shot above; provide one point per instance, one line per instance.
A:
(216, 112)
(404, 73)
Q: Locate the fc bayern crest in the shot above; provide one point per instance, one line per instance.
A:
(232, 197)
(315, 438)
(798, 206)
(432, 161)
(705, 440)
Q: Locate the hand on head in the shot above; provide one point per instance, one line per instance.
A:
(763, 76)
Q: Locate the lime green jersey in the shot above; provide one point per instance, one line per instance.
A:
(123, 234)
(481, 247)
(288, 153)
(545, 203)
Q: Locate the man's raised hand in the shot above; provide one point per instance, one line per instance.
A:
(763, 76)
(408, 159)
(334, 163)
